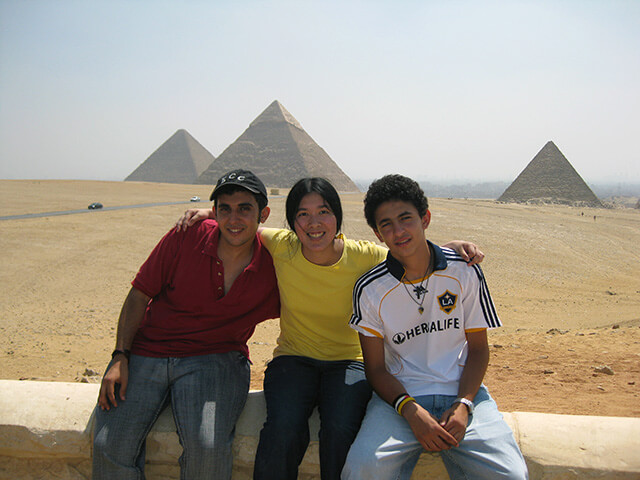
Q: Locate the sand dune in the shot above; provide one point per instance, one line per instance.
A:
(565, 280)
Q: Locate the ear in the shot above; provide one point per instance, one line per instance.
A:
(379, 237)
(213, 211)
(264, 214)
(426, 220)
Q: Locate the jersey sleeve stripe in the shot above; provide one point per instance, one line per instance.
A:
(451, 255)
(376, 272)
(488, 308)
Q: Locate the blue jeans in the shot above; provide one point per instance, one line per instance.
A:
(386, 447)
(207, 394)
(293, 386)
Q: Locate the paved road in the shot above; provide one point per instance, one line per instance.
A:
(86, 210)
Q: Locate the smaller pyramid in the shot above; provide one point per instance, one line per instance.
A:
(277, 149)
(550, 178)
(181, 159)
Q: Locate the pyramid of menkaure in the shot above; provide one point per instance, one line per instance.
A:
(550, 178)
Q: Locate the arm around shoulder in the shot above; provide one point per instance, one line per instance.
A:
(193, 216)
(469, 252)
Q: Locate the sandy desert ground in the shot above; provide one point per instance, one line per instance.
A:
(566, 282)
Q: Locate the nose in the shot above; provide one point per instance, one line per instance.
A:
(397, 228)
(313, 219)
(234, 215)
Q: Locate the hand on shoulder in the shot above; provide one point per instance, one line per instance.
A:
(191, 217)
(469, 251)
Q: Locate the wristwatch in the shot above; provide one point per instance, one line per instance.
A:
(124, 352)
(466, 402)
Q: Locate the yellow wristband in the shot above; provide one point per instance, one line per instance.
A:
(404, 402)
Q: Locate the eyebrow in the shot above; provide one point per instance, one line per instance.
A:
(400, 215)
(324, 204)
(243, 204)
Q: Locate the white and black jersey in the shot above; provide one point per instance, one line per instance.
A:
(423, 324)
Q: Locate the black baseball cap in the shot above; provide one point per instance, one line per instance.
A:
(242, 178)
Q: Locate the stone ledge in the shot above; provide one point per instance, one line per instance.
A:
(45, 433)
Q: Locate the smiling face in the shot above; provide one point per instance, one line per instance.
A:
(400, 227)
(238, 217)
(315, 225)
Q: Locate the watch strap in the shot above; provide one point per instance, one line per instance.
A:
(466, 402)
(125, 352)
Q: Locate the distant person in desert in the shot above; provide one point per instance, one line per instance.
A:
(318, 360)
(182, 338)
(422, 316)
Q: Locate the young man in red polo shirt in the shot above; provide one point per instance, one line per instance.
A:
(182, 338)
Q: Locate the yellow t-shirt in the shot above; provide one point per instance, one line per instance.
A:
(317, 300)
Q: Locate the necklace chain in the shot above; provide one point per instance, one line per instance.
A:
(418, 289)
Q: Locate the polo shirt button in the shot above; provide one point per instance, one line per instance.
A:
(219, 274)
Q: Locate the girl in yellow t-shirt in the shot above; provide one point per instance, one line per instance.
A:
(317, 360)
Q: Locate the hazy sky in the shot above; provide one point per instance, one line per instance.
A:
(441, 90)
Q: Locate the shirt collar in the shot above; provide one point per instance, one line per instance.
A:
(397, 269)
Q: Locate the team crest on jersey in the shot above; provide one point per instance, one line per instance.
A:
(447, 301)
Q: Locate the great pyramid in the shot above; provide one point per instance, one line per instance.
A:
(277, 149)
(550, 178)
(181, 159)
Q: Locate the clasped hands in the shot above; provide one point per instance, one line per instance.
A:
(437, 434)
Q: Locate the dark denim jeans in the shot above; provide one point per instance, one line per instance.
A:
(207, 394)
(293, 386)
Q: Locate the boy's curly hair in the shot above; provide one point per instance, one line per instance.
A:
(393, 187)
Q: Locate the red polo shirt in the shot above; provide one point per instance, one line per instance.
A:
(189, 314)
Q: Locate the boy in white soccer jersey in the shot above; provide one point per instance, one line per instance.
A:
(423, 316)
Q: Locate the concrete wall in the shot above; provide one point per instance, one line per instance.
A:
(45, 433)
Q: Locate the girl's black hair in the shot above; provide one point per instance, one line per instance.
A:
(322, 187)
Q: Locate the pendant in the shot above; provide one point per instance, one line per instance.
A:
(420, 309)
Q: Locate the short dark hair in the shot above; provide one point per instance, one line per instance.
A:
(231, 189)
(393, 187)
(307, 185)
